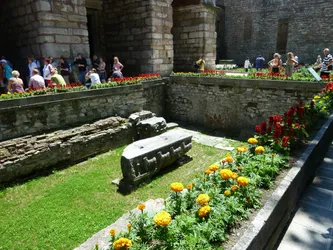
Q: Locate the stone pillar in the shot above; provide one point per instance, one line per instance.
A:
(139, 33)
(194, 36)
(43, 28)
(62, 28)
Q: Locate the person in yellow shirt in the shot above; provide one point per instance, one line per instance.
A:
(57, 79)
(201, 65)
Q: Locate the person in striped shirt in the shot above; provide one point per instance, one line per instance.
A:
(326, 65)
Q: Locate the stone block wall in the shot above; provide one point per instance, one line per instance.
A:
(194, 36)
(27, 155)
(251, 28)
(233, 104)
(35, 115)
(43, 28)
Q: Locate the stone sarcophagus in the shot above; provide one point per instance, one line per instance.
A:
(145, 158)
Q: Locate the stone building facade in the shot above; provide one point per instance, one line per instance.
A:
(147, 35)
(253, 27)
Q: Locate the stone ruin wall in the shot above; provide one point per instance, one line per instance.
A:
(159, 36)
(232, 104)
(35, 115)
(43, 28)
(142, 33)
(251, 28)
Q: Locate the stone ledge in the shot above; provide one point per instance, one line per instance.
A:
(270, 221)
(248, 83)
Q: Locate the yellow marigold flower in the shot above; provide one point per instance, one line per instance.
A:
(316, 97)
(229, 159)
(208, 172)
(203, 199)
(122, 243)
(189, 186)
(241, 149)
(204, 211)
(243, 181)
(162, 219)
(129, 226)
(226, 174)
(141, 207)
(234, 176)
(252, 141)
(214, 167)
(227, 192)
(259, 149)
(234, 188)
(176, 187)
(113, 232)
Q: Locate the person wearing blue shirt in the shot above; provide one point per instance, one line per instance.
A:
(7, 70)
(260, 63)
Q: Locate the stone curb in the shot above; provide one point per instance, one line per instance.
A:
(270, 221)
(101, 238)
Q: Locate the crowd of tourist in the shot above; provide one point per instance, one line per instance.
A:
(52, 73)
(276, 64)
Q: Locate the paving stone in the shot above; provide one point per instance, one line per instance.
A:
(325, 172)
(323, 182)
(319, 197)
(313, 217)
(299, 237)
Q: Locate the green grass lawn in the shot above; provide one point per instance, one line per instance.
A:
(62, 210)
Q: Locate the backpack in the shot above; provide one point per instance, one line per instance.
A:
(197, 65)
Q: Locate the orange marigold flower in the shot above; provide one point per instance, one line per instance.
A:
(226, 174)
(176, 187)
(162, 219)
(122, 244)
(252, 141)
(204, 211)
(203, 199)
(241, 149)
(227, 192)
(214, 167)
(208, 172)
(234, 188)
(229, 159)
(141, 207)
(243, 181)
(189, 186)
(234, 176)
(129, 226)
(113, 232)
(259, 149)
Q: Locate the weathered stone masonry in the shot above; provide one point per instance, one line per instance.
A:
(43, 28)
(265, 27)
(232, 104)
(142, 33)
(34, 115)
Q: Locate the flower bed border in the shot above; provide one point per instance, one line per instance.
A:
(272, 218)
(58, 97)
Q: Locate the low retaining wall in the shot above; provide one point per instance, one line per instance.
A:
(269, 223)
(232, 104)
(38, 114)
(23, 156)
